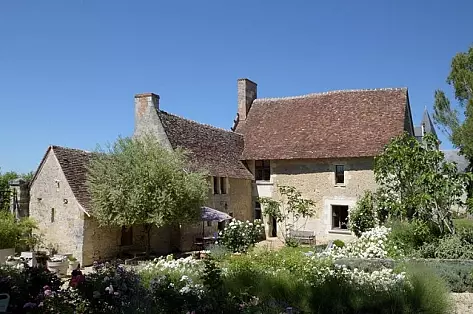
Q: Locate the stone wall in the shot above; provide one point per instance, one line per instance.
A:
(316, 180)
(49, 191)
(102, 243)
(237, 202)
(20, 201)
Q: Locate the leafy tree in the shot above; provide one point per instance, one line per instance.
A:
(5, 194)
(457, 121)
(460, 131)
(138, 181)
(5, 189)
(417, 182)
(289, 209)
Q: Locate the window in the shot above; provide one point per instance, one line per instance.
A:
(216, 191)
(221, 225)
(209, 224)
(127, 236)
(262, 170)
(339, 174)
(52, 215)
(223, 185)
(339, 217)
(257, 210)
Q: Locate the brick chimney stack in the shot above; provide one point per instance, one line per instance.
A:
(247, 93)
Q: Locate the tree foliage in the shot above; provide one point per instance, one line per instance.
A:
(289, 209)
(5, 194)
(363, 216)
(138, 181)
(415, 181)
(457, 121)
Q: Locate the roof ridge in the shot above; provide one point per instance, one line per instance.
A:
(199, 123)
(69, 148)
(333, 92)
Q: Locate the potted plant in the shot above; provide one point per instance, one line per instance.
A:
(58, 264)
(12, 261)
(73, 263)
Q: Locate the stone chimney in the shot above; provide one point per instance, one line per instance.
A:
(247, 93)
(20, 200)
(146, 107)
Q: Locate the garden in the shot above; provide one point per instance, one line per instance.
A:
(411, 252)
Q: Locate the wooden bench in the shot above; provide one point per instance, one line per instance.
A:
(305, 236)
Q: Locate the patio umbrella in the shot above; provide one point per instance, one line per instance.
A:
(210, 214)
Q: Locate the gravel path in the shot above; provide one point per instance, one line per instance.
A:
(463, 302)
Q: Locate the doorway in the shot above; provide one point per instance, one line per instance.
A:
(274, 227)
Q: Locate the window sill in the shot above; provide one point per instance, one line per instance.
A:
(340, 185)
(261, 182)
(335, 231)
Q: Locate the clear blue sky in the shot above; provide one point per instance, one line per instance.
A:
(69, 69)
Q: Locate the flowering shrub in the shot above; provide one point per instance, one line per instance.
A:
(382, 280)
(114, 289)
(239, 236)
(371, 244)
(363, 217)
(27, 286)
(175, 269)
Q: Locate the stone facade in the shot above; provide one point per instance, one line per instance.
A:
(236, 202)
(315, 179)
(101, 243)
(54, 207)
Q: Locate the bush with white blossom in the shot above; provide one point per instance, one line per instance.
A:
(363, 216)
(188, 268)
(239, 236)
(371, 244)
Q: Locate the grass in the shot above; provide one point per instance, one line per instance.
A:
(463, 223)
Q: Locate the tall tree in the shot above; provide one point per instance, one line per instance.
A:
(457, 121)
(139, 182)
(415, 181)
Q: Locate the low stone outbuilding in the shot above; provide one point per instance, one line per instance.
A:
(59, 202)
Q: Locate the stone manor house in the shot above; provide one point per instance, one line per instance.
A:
(323, 144)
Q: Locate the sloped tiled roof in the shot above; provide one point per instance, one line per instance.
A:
(454, 156)
(74, 166)
(327, 125)
(428, 126)
(216, 150)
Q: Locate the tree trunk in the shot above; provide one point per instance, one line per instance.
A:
(148, 240)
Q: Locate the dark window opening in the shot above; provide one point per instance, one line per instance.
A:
(262, 170)
(221, 225)
(339, 174)
(223, 185)
(52, 215)
(339, 217)
(209, 224)
(258, 214)
(127, 236)
(216, 191)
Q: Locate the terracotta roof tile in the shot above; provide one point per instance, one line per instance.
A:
(327, 125)
(216, 150)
